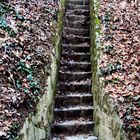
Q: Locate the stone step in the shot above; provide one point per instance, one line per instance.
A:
(76, 112)
(76, 45)
(78, 12)
(76, 6)
(70, 38)
(77, 24)
(72, 127)
(71, 101)
(66, 93)
(73, 94)
(78, 32)
(75, 66)
(77, 18)
(72, 50)
(74, 76)
(78, 57)
(78, 2)
(76, 48)
(74, 86)
(73, 111)
(75, 137)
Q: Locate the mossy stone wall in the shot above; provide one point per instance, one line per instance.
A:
(37, 126)
(108, 125)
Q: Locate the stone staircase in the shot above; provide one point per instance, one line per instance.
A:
(73, 113)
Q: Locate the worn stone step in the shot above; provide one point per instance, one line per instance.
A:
(70, 38)
(78, 12)
(71, 101)
(76, 48)
(78, 32)
(76, 6)
(71, 45)
(77, 24)
(73, 94)
(75, 66)
(74, 76)
(66, 93)
(77, 18)
(78, 57)
(74, 113)
(74, 86)
(75, 137)
(72, 127)
(78, 2)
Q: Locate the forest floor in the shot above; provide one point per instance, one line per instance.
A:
(119, 61)
(26, 32)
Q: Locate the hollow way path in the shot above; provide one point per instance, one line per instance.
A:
(73, 112)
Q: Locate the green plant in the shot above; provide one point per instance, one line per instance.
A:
(3, 8)
(24, 67)
(109, 49)
(3, 23)
(109, 69)
(13, 132)
(4, 26)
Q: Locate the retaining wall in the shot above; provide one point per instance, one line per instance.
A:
(108, 125)
(37, 125)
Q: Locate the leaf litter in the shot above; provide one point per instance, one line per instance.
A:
(119, 60)
(26, 41)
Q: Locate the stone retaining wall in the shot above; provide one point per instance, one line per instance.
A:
(108, 125)
(37, 125)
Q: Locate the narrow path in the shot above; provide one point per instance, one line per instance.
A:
(74, 103)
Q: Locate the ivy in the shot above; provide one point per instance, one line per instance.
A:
(109, 69)
(3, 9)
(12, 132)
(4, 26)
(109, 49)
(24, 67)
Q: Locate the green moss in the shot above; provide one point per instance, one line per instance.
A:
(108, 125)
(38, 124)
